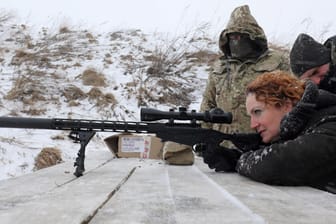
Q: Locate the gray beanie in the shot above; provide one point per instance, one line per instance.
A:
(307, 53)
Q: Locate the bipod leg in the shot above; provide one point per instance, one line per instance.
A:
(83, 137)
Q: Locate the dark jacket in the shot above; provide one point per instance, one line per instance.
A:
(306, 151)
(329, 82)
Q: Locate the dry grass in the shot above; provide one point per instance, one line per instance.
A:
(27, 90)
(95, 93)
(160, 74)
(168, 72)
(47, 157)
(202, 57)
(100, 99)
(34, 111)
(72, 92)
(91, 77)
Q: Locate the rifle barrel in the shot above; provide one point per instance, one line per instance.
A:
(73, 124)
(22, 122)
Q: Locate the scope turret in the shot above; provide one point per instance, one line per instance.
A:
(215, 115)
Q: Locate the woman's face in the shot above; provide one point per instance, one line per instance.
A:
(265, 119)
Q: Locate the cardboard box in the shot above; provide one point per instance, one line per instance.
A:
(135, 145)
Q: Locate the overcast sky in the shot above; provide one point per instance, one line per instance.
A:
(282, 20)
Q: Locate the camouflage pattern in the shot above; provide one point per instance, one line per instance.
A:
(227, 80)
(241, 21)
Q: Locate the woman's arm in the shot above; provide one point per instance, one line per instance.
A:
(301, 161)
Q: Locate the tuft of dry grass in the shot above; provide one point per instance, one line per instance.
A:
(95, 93)
(34, 111)
(202, 57)
(101, 100)
(27, 90)
(48, 156)
(64, 29)
(72, 92)
(91, 77)
(110, 99)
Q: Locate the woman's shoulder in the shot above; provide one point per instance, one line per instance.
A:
(322, 119)
(325, 99)
(325, 108)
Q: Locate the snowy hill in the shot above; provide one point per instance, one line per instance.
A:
(74, 73)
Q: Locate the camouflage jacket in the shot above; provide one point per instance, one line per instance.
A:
(228, 79)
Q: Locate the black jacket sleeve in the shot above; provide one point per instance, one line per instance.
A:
(304, 160)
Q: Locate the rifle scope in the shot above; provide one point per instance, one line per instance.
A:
(215, 115)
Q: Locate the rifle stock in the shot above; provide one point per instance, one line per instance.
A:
(82, 130)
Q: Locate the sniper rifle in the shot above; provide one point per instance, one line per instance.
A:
(191, 133)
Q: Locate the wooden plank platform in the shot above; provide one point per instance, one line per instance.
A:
(149, 191)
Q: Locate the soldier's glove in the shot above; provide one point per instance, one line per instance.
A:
(220, 158)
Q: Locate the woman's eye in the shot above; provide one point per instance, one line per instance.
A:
(257, 112)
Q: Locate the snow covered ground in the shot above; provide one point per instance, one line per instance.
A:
(71, 72)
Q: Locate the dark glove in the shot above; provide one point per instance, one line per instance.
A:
(220, 158)
(246, 141)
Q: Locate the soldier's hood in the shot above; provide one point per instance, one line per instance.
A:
(242, 21)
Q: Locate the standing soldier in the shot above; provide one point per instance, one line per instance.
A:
(246, 55)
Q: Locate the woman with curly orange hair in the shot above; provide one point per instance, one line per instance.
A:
(297, 125)
(269, 98)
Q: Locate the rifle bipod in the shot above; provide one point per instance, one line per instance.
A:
(82, 137)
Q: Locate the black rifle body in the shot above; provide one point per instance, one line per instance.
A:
(82, 131)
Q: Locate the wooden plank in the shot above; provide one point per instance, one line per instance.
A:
(20, 189)
(311, 195)
(144, 198)
(73, 202)
(197, 196)
(158, 193)
(149, 191)
(276, 204)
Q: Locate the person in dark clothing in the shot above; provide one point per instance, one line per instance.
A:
(311, 60)
(297, 125)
